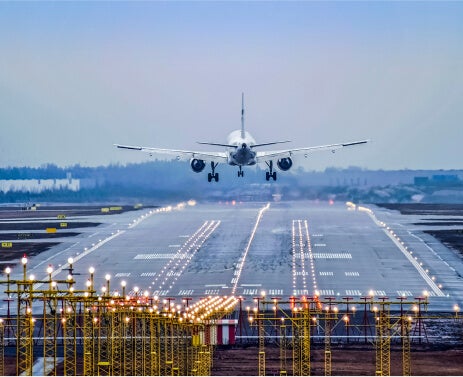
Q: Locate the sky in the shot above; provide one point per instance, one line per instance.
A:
(78, 76)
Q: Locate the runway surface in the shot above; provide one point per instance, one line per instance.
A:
(281, 248)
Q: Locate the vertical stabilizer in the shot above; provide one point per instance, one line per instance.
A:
(242, 115)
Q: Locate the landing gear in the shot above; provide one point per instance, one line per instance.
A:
(240, 172)
(270, 174)
(213, 175)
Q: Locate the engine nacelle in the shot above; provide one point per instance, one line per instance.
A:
(285, 163)
(197, 165)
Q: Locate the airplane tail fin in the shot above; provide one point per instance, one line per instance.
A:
(242, 115)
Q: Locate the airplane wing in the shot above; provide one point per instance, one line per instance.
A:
(265, 155)
(179, 154)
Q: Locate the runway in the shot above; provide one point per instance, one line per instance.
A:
(281, 249)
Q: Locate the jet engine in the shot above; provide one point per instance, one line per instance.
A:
(284, 163)
(197, 165)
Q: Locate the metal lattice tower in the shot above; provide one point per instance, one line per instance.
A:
(305, 349)
(88, 333)
(2, 350)
(117, 341)
(139, 356)
(383, 340)
(103, 346)
(406, 359)
(260, 324)
(24, 331)
(49, 335)
(283, 346)
(70, 326)
(155, 345)
(296, 346)
(127, 331)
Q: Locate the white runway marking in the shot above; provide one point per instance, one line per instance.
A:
(250, 292)
(148, 274)
(240, 265)
(122, 274)
(326, 292)
(177, 263)
(302, 251)
(404, 293)
(352, 273)
(161, 256)
(332, 255)
(406, 252)
(326, 273)
(185, 292)
(353, 292)
(377, 293)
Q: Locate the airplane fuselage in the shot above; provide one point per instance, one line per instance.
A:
(242, 155)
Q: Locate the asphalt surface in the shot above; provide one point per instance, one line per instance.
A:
(281, 248)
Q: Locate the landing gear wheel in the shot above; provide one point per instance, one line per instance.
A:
(213, 175)
(270, 174)
(240, 173)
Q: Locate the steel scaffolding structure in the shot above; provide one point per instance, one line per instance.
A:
(297, 319)
(118, 334)
(112, 334)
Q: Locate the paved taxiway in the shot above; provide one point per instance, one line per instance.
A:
(282, 248)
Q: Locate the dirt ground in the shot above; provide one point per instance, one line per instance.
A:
(345, 362)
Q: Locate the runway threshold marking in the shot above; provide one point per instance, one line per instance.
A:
(240, 265)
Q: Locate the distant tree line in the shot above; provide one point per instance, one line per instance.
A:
(156, 181)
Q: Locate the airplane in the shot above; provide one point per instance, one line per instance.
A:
(241, 151)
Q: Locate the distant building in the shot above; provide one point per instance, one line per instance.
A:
(437, 179)
(38, 185)
(421, 181)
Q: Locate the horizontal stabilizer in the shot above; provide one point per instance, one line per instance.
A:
(128, 147)
(272, 143)
(355, 143)
(217, 144)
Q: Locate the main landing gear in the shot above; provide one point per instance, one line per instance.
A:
(270, 174)
(213, 175)
(240, 172)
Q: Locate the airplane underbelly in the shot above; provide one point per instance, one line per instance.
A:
(242, 159)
